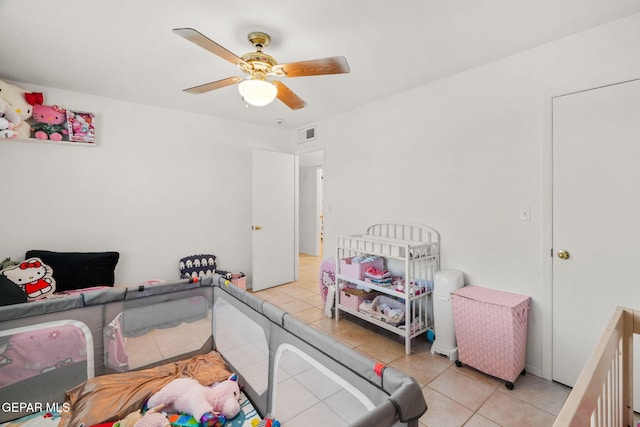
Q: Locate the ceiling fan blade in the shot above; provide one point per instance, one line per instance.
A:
(207, 87)
(287, 96)
(314, 67)
(205, 42)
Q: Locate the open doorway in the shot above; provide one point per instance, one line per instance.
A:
(310, 196)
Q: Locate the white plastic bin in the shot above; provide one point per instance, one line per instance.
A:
(445, 282)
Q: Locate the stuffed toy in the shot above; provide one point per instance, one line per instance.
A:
(187, 395)
(8, 113)
(130, 420)
(34, 276)
(7, 262)
(184, 420)
(152, 418)
(6, 129)
(15, 97)
(49, 122)
(267, 422)
(9, 119)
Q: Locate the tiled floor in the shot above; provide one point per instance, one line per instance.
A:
(164, 343)
(455, 396)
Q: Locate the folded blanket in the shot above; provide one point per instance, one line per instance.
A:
(383, 282)
(364, 258)
(113, 397)
(374, 273)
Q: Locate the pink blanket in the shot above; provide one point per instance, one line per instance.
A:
(30, 351)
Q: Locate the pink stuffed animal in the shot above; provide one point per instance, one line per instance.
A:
(187, 395)
(50, 120)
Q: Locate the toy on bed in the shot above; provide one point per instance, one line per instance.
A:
(34, 276)
(7, 262)
(187, 395)
(152, 418)
(267, 422)
(130, 420)
(185, 420)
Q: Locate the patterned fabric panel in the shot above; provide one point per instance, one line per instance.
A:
(197, 265)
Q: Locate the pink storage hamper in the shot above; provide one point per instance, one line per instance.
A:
(240, 280)
(491, 331)
(353, 297)
(355, 270)
(350, 300)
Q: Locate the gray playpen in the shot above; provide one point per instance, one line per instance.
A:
(285, 366)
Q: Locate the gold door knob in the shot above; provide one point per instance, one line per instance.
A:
(563, 254)
(257, 227)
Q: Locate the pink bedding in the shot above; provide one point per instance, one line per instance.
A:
(30, 351)
(82, 290)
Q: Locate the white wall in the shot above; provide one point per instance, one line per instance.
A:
(159, 185)
(463, 155)
(309, 237)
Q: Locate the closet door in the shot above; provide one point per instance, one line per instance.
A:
(596, 220)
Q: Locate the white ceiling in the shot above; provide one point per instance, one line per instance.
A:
(125, 48)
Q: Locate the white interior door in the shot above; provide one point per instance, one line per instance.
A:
(273, 216)
(596, 219)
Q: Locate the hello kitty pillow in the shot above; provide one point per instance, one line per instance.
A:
(33, 276)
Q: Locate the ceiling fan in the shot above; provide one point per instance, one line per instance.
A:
(256, 88)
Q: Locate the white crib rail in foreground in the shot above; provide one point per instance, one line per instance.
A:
(603, 394)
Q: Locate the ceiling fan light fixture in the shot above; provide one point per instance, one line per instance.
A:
(256, 89)
(257, 92)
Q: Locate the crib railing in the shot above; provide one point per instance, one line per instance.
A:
(603, 394)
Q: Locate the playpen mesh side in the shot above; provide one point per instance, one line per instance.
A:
(73, 364)
(145, 331)
(307, 367)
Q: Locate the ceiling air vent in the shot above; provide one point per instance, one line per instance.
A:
(307, 134)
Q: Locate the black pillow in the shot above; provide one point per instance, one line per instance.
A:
(79, 270)
(10, 293)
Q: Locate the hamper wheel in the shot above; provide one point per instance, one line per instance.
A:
(458, 364)
(509, 385)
